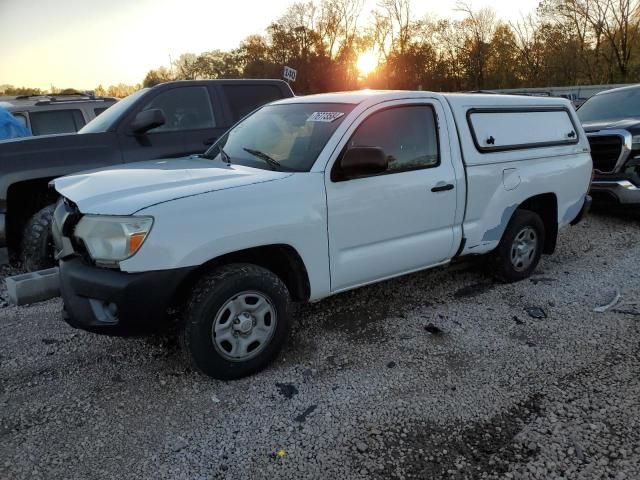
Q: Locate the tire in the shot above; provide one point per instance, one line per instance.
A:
(37, 250)
(249, 308)
(520, 248)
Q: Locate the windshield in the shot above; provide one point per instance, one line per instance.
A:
(611, 106)
(286, 137)
(106, 119)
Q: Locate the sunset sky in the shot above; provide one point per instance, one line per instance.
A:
(83, 43)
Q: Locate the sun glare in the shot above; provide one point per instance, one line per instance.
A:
(367, 62)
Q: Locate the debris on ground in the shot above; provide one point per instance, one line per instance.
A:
(303, 416)
(628, 308)
(432, 329)
(609, 305)
(536, 312)
(287, 390)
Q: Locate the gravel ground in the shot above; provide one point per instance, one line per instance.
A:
(441, 374)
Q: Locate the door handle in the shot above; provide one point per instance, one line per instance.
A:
(443, 187)
(209, 141)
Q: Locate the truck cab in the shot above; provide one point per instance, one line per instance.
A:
(308, 197)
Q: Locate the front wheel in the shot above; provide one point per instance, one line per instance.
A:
(520, 248)
(236, 321)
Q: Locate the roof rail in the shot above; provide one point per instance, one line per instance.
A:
(87, 94)
(53, 100)
(25, 97)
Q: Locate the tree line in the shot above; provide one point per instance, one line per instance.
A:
(119, 91)
(562, 42)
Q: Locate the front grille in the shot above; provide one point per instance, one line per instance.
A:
(605, 152)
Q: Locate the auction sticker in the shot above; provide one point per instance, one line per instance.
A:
(326, 117)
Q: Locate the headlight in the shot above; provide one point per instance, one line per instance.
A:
(110, 240)
(635, 140)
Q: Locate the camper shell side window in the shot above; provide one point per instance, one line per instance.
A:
(505, 129)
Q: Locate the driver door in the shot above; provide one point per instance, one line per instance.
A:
(401, 220)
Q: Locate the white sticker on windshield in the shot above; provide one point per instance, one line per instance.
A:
(326, 117)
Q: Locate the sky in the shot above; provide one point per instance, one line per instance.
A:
(83, 43)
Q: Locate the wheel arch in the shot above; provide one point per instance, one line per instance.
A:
(545, 205)
(281, 259)
(24, 199)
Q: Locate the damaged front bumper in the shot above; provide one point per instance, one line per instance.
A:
(114, 302)
(104, 300)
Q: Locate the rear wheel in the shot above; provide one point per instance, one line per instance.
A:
(520, 248)
(37, 241)
(236, 321)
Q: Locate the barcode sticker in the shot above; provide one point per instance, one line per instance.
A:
(326, 117)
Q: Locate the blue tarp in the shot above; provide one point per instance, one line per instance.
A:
(10, 127)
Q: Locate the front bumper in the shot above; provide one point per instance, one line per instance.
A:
(113, 302)
(621, 190)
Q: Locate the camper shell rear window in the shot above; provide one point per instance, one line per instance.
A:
(504, 129)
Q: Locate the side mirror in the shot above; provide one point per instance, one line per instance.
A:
(362, 161)
(147, 119)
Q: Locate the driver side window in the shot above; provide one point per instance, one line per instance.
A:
(185, 108)
(406, 134)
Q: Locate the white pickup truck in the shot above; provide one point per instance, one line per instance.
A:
(308, 197)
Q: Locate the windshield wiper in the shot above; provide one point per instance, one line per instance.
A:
(274, 164)
(224, 156)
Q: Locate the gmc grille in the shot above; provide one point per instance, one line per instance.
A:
(605, 152)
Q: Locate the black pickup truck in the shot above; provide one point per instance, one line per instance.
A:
(172, 119)
(612, 122)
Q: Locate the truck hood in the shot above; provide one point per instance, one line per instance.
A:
(631, 124)
(133, 187)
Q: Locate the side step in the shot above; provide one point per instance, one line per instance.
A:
(33, 287)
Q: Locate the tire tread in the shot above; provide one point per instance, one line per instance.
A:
(36, 249)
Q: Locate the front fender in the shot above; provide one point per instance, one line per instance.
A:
(194, 230)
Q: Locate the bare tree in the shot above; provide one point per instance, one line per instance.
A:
(598, 23)
(399, 26)
(619, 21)
(578, 20)
(473, 38)
(349, 13)
(527, 41)
(330, 25)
